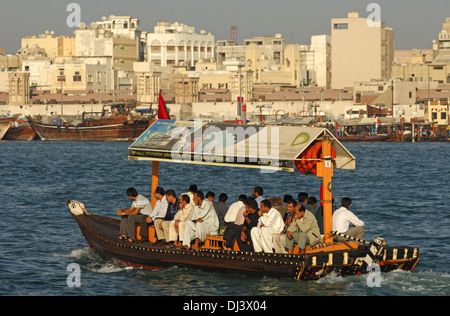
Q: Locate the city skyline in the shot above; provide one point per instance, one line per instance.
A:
(416, 23)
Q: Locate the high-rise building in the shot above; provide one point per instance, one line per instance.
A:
(360, 51)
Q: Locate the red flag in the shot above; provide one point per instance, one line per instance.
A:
(163, 114)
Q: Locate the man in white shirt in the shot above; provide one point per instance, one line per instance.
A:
(269, 224)
(138, 211)
(204, 222)
(342, 218)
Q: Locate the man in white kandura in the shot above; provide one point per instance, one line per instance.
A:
(269, 223)
(203, 222)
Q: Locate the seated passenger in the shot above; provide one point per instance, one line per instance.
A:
(221, 210)
(203, 222)
(258, 195)
(210, 196)
(252, 215)
(269, 223)
(304, 229)
(342, 218)
(172, 209)
(234, 228)
(177, 225)
(279, 240)
(158, 213)
(138, 211)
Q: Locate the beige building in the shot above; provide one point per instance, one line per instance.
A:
(19, 88)
(96, 41)
(80, 75)
(54, 46)
(148, 82)
(360, 52)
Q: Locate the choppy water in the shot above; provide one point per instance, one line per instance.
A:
(400, 190)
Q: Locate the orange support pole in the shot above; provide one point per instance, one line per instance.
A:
(325, 171)
(155, 171)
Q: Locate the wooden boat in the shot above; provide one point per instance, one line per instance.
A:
(120, 126)
(6, 122)
(364, 138)
(23, 131)
(184, 142)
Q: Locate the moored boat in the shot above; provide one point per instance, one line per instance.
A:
(120, 126)
(6, 122)
(310, 150)
(21, 130)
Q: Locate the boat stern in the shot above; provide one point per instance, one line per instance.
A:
(77, 208)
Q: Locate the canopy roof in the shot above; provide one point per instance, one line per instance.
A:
(233, 145)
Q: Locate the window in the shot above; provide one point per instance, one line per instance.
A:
(340, 26)
(77, 78)
(443, 115)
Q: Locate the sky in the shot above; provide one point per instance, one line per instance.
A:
(416, 22)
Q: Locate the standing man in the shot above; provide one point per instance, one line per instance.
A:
(138, 211)
(303, 230)
(269, 223)
(342, 218)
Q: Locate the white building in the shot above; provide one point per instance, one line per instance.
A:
(176, 43)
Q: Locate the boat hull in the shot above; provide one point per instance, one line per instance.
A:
(354, 139)
(23, 132)
(5, 124)
(101, 234)
(126, 131)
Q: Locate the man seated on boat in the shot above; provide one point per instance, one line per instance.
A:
(234, 220)
(203, 222)
(221, 209)
(251, 215)
(342, 218)
(138, 211)
(269, 224)
(172, 209)
(156, 216)
(303, 230)
(279, 240)
(176, 226)
(258, 195)
(191, 193)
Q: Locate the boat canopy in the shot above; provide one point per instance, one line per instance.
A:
(234, 145)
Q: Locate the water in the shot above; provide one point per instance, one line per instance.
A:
(400, 191)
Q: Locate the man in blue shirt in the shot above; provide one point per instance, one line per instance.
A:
(258, 195)
(172, 210)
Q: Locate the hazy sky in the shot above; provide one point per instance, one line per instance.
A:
(416, 22)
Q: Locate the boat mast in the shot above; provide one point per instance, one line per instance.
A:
(325, 171)
(155, 171)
